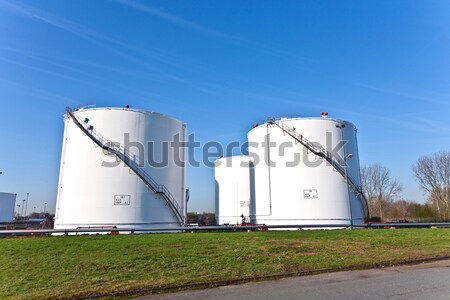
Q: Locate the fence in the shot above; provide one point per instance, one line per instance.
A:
(217, 228)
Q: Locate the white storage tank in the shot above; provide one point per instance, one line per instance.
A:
(233, 176)
(7, 204)
(92, 193)
(295, 186)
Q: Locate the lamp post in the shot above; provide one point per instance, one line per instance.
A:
(348, 190)
(26, 205)
(45, 205)
(23, 206)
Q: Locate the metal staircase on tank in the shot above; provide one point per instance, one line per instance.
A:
(318, 150)
(130, 160)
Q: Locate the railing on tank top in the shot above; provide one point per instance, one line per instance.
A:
(136, 163)
(336, 162)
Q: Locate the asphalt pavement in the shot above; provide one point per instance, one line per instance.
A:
(426, 281)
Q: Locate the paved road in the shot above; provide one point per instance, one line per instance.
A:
(425, 282)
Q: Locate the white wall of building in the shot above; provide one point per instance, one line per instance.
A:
(233, 189)
(7, 204)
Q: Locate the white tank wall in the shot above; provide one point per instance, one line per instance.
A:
(303, 194)
(233, 190)
(87, 190)
(7, 204)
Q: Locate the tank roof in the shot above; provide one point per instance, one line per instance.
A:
(6, 193)
(127, 109)
(307, 118)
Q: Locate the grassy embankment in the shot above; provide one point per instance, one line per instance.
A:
(67, 267)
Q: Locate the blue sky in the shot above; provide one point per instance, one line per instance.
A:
(221, 66)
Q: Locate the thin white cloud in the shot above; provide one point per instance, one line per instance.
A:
(36, 92)
(17, 63)
(116, 46)
(409, 95)
(52, 20)
(98, 79)
(99, 39)
(176, 20)
(173, 19)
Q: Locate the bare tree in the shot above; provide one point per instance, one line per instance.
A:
(403, 209)
(432, 172)
(379, 187)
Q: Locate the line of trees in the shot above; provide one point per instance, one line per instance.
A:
(382, 190)
(433, 175)
(201, 219)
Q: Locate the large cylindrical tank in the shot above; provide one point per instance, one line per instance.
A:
(295, 186)
(7, 204)
(234, 188)
(96, 188)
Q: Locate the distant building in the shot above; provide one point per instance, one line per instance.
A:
(7, 204)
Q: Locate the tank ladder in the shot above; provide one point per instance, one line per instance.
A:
(335, 162)
(130, 160)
